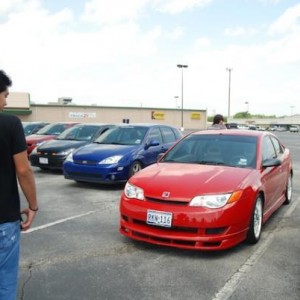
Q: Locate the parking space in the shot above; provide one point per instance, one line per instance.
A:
(74, 251)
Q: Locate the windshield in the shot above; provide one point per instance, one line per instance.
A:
(79, 133)
(28, 128)
(52, 129)
(235, 151)
(127, 135)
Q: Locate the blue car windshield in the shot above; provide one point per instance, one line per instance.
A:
(127, 135)
(229, 150)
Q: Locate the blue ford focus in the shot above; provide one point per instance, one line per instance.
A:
(119, 153)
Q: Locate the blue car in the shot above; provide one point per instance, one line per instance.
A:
(119, 153)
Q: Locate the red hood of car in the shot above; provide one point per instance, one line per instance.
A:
(39, 137)
(185, 181)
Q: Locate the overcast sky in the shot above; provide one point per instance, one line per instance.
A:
(125, 53)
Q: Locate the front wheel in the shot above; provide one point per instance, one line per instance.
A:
(255, 228)
(288, 190)
(135, 167)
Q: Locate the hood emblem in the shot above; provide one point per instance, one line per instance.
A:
(165, 194)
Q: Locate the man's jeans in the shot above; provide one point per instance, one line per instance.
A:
(9, 259)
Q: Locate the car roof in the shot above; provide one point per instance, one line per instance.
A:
(145, 125)
(241, 132)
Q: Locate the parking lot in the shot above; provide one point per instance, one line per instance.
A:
(74, 251)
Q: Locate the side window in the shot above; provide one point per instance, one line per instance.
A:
(277, 146)
(268, 149)
(168, 135)
(155, 134)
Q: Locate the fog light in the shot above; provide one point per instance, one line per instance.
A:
(120, 168)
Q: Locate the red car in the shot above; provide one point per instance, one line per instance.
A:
(211, 191)
(48, 132)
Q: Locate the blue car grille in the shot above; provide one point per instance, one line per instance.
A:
(84, 175)
(85, 162)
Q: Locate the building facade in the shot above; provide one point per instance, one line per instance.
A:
(193, 119)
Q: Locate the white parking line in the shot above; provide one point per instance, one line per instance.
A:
(60, 221)
(231, 285)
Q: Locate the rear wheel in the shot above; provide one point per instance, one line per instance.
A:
(289, 190)
(255, 228)
(135, 167)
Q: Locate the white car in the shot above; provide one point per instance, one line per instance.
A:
(294, 128)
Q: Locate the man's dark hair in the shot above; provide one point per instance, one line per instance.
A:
(5, 81)
(218, 119)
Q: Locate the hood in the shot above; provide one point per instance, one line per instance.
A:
(98, 152)
(184, 182)
(60, 145)
(35, 138)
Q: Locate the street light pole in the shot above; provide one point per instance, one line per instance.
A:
(229, 71)
(181, 67)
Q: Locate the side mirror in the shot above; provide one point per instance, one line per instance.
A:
(272, 162)
(152, 143)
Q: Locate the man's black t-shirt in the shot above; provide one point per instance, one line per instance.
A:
(12, 141)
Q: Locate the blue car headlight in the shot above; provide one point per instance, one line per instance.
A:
(110, 160)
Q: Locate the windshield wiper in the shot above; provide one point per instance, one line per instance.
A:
(210, 162)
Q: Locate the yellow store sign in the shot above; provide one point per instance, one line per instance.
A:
(157, 115)
(195, 116)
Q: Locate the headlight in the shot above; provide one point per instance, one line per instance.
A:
(211, 201)
(34, 151)
(70, 157)
(132, 191)
(216, 201)
(110, 160)
(65, 152)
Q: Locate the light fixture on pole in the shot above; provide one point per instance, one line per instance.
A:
(229, 71)
(176, 104)
(247, 103)
(181, 67)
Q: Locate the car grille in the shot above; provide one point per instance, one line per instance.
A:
(167, 202)
(85, 162)
(84, 175)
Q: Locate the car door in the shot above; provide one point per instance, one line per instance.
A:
(153, 146)
(271, 176)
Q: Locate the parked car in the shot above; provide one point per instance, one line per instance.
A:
(48, 132)
(33, 127)
(51, 154)
(294, 128)
(119, 153)
(211, 191)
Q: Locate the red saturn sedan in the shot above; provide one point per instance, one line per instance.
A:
(211, 191)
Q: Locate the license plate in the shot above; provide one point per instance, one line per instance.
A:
(43, 160)
(159, 218)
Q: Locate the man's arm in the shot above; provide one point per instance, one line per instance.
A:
(27, 182)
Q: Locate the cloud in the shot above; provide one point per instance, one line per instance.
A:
(239, 31)
(288, 21)
(177, 6)
(112, 11)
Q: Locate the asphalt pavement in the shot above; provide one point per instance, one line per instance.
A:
(74, 251)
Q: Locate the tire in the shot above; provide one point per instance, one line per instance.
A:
(255, 228)
(288, 190)
(134, 168)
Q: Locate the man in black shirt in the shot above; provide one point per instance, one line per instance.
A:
(14, 169)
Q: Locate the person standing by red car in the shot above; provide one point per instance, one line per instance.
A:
(14, 169)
